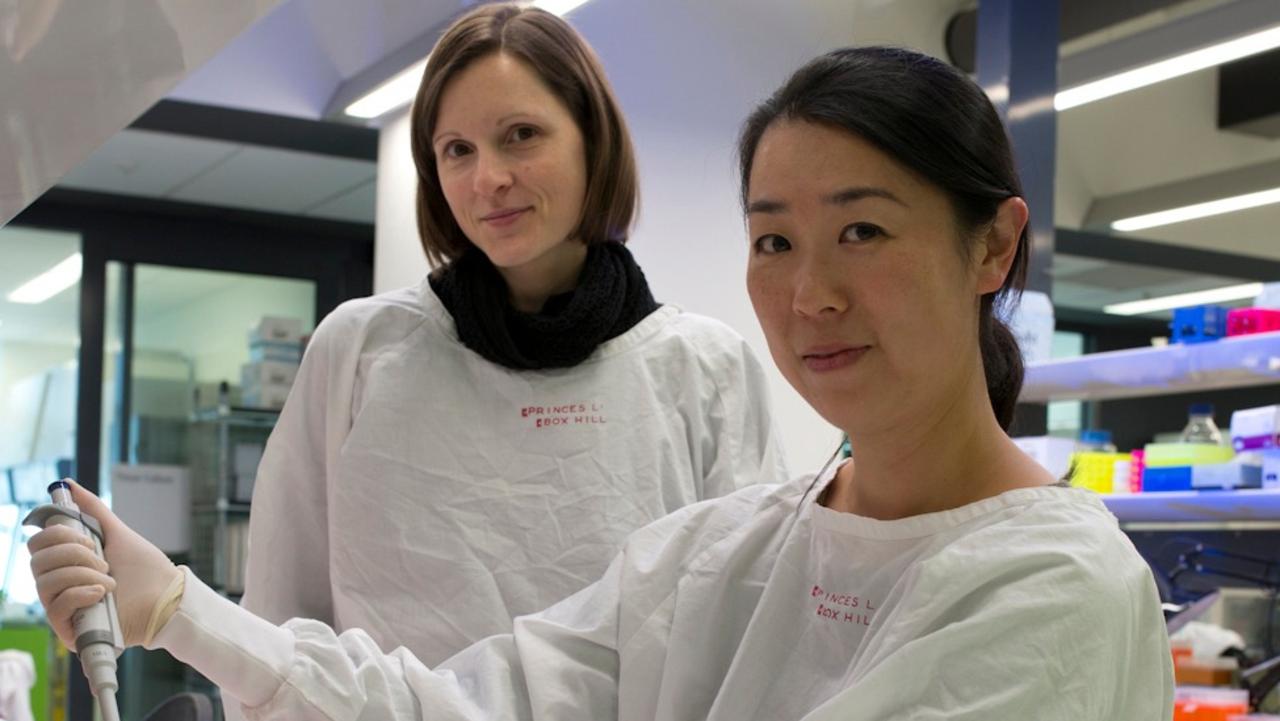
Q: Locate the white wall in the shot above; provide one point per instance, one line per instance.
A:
(687, 74)
(398, 260)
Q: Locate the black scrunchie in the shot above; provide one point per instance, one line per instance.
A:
(611, 297)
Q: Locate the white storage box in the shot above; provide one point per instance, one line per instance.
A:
(275, 352)
(1233, 474)
(276, 330)
(1255, 428)
(1271, 469)
(267, 397)
(254, 376)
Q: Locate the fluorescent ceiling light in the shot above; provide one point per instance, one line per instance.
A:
(398, 91)
(558, 7)
(1190, 62)
(49, 283)
(1183, 300)
(1199, 210)
(391, 94)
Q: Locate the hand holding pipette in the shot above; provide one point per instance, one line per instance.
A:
(99, 581)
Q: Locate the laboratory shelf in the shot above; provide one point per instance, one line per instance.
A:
(1238, 362)
(1244, 509)
(237, 416)
(222, 442)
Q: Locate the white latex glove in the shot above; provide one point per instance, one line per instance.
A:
(69, 575)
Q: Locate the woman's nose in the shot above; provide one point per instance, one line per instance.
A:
(819, 290)
(493, 173)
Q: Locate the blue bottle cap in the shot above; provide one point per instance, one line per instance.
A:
(1201, 409)
(1096, 436)
(56, 485)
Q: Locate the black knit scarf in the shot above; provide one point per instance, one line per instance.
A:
(611, 297)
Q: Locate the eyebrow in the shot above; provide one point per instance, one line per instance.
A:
(518, 114)
(843, 196)
(500, 122)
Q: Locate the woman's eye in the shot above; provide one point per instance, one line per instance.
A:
(861, 232)
(523, 132)
(771, 244)
(456, 150)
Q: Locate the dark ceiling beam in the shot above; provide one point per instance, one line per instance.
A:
(1163, 255)
(1248, 96)
(249, 127)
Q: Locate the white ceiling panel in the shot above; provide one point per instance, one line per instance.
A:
(1255, 231)
(357, 205)
(293, 60)
(275, 180)
(358, 34)
(1152, 136)
(276, 66)
(139, 162)
(1104, 284)
(1083, 297)
(1069, 265)
(1123, 276)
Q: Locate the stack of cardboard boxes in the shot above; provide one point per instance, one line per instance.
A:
(275, 350)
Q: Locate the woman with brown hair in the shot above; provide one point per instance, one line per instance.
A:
(492, 435)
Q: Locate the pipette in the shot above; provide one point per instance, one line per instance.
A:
(97, 627)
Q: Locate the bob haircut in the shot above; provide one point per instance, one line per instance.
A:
(571, 71)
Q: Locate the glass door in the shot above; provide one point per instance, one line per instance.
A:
(192, 386)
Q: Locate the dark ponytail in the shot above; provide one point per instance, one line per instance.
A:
(1002, 364)
(936, 121)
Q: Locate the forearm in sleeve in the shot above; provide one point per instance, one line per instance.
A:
(559, 664)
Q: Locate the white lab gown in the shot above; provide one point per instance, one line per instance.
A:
(1028, 605)
(17, 676)
(421, 493)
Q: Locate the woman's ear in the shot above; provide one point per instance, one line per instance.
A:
(999, 245)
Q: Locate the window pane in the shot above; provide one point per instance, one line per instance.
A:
(39, 343)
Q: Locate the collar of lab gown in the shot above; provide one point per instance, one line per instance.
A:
(928, 524)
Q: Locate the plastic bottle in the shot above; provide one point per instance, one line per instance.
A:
(1032, 323)
(1200, 426)
(1095, 439)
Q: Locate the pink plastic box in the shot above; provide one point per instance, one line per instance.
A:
(1247, 321)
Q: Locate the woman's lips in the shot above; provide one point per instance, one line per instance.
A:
(830, 359)
(504, 218)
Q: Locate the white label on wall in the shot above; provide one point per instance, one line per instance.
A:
(155, 501)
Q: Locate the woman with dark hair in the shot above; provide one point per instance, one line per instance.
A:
(479, 446)
(938, 574)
